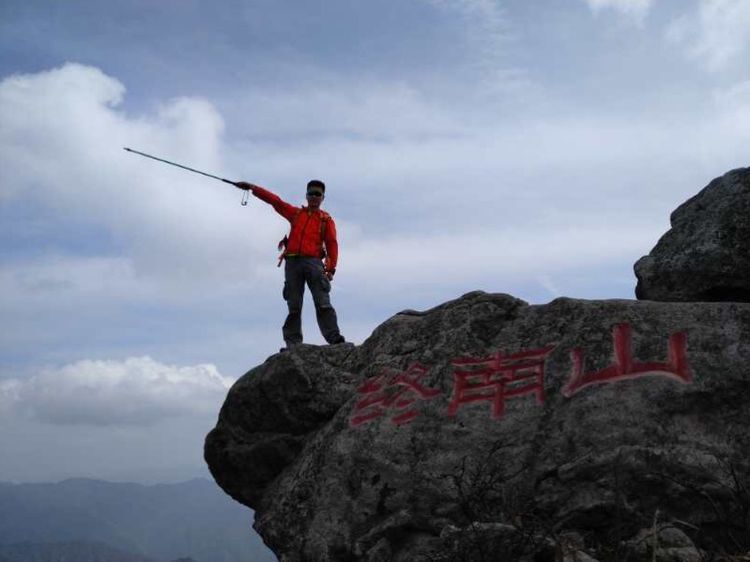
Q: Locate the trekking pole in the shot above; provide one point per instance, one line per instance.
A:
(244, 196)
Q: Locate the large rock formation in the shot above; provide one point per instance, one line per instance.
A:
(490, 429)
(705, 256)
(597, 420)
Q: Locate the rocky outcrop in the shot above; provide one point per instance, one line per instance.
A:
(270, 414)
(490, 429)
(705, 256)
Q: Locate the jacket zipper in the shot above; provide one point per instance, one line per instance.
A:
(302, 236)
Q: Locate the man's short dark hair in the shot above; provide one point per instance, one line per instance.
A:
(316, 183)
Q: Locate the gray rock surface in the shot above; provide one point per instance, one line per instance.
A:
(664, 543)
(705, 256)
(379, 452)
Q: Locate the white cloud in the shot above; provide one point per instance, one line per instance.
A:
(61, 148)
(734, 107)
(364, 110)
(136, 391)
(489, 36)
(717, 34)
(9, 396)
(508, 255)
(56, 278)
(637, 10)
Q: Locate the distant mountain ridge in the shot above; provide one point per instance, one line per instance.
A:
(66, 552)
(157, 522)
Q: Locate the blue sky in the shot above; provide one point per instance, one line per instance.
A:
(534, 148)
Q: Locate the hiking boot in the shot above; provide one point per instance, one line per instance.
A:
(289, 347)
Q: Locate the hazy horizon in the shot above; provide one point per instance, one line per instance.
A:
(161, 522)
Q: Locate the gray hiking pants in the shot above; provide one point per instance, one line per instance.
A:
(297, 272)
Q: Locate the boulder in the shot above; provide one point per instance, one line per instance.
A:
(490, 426)
(705, 256)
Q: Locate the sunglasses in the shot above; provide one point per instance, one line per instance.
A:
(314, 194)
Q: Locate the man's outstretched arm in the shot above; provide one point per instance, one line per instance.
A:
(285, 209)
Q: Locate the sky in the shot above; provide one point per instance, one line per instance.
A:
(534, 148)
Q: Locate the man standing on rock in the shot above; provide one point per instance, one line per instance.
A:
(312, 240)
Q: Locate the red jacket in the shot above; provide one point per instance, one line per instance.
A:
(311, 230)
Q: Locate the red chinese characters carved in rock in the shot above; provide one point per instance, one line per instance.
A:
(498, 377)
(624, 367)
(392, 392)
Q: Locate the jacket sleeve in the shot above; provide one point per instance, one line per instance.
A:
(280, 206)
(332, 246)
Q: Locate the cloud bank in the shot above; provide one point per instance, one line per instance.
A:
(137, 391)
(62, 138)
(717, 34)
(635, 9)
